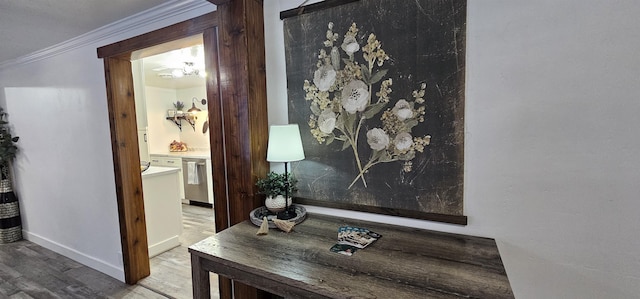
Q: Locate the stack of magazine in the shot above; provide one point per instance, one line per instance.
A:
(350, 239)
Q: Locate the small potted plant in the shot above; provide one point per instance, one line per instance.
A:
(8, 148)
(276, 186)
(179, 106)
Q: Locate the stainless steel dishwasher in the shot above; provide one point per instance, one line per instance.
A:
(194, 172)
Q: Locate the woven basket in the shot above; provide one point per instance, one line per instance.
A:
(10, 223)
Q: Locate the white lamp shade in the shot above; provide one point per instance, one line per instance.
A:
(285, 144)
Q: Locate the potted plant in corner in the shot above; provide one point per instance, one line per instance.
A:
(274, 186)
(11, 225)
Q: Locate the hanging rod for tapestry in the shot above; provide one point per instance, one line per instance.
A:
(312, 7)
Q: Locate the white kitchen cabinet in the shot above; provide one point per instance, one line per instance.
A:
(163, 211)
(143, 146)
(209, 182)
(158, 160)
(139, 94)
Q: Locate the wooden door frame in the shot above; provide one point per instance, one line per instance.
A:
(236, 89)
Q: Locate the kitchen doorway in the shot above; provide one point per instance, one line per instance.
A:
(174, 147)
(172, 114)
(121, 101)
(234, 50)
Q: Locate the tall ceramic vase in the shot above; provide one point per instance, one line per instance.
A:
(10, 222)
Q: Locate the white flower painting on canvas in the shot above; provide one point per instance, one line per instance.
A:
(342, 98)
(378, 90)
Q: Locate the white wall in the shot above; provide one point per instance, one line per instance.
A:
(551, 170)
(194, 138)
(161, 131)
(64, 171)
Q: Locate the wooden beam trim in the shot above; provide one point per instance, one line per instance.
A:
(217, 141)
(126, 165)
(257, 76)
(233, 85)
(312, 7)
(170, 33)
(219, 2)
(242, 122)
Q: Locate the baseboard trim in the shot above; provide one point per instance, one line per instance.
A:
(89, 261)
(163, 246)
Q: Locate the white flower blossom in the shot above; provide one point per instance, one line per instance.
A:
(377, 139)
(402, 110)
(327, 121)
(350, 45)
(324, 77)
(403, 141)
(355, 96)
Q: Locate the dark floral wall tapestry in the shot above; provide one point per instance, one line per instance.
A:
(377, 87)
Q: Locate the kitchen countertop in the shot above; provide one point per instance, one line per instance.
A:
(158, 170)
(187, 154)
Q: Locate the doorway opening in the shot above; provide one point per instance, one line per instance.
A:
(174, 148)
(121, 101)
(233, 38)
(172, 114)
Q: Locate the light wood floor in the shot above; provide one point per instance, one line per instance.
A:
(31, 271)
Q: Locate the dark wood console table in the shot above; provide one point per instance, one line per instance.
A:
(404, 263)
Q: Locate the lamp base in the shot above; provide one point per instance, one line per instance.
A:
(287, 214)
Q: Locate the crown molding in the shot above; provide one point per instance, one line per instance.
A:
(161, 12)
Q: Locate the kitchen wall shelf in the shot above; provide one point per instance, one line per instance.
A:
(179, 118)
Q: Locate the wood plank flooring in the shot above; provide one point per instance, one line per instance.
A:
(28, 270)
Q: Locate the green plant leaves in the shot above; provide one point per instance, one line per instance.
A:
(369, 78)
(335, 58)
(349, 121)
(410, 123)
(315, 109)
(345, 145)
(366, 75)
(330, 139)
(8, 149)
(378, 76)
(373, 109)
(276, 184)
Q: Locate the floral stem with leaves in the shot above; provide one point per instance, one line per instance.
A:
(354, 146)
(341, 97)
(370, 164)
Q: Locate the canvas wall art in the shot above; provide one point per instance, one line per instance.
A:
(377, 87)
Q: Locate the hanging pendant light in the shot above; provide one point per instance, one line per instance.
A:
(193, 108)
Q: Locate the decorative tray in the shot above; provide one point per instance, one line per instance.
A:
(257, 214)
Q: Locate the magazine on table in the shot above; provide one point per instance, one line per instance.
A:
(351, 239)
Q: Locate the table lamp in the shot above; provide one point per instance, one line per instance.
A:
(285, 145)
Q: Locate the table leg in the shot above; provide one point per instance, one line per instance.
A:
(200, 279)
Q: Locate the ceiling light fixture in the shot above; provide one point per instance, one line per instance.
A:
(188, 69)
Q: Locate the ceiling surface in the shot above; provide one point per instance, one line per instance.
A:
(173, 56)
(27, 26)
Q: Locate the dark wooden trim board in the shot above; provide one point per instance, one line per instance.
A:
(244, 112)
(126, 162)
(170, 33)
(453, 219)
(312, 7)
